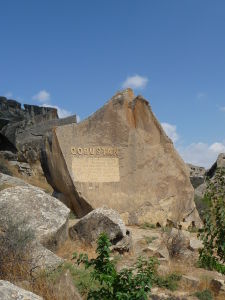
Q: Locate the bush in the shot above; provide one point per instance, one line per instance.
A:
(169, 281)
(130, 283)
(212, 255)
(204, 295)
(202, 205)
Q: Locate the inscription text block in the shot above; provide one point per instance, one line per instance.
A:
(95, 169)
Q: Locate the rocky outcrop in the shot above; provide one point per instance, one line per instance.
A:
(197, 175)
(23, 130)
(210, 175)
(102, 220)
(120, 157)
(44, 215)
(9, 291)
(12, 111)
(47, 216)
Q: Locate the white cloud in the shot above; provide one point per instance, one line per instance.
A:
(135, 82)
(202, 154)
(171, 131)
(222, 108)
(201, 95)
(62, 113)
(8, 95)
(42, 96)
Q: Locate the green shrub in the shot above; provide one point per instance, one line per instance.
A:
(204, 295)
(130, 283)
(202, 205)
(169, 281)
(212, 255)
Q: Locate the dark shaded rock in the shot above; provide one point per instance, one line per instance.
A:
(103, 220)
(197, 175)
(22, 130)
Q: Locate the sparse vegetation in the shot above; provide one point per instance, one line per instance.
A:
(150, 239)
(72, 215)
(169, 281)
(147, 225)
(212, 256)
(15, 239)
(5, 167)
(202, 205)
(204, 295)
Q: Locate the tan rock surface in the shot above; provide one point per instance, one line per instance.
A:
(120, 157)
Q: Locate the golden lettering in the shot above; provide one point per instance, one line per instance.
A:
(73, 150)
(92, 151)
(80, 150)
(106, 151)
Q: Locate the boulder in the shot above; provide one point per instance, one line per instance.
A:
(102, 220)
(9, 291)
(45, 215)
(10, 181)
(218, 286)
(121, 158)
(177, 241)
(195, 244)
(64, 288)
(197, 175)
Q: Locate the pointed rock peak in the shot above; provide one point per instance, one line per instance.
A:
(127, 94)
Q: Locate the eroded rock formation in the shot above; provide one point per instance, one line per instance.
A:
(120, 157)
(22, 130)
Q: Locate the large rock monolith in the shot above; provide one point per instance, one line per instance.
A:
(121, 158)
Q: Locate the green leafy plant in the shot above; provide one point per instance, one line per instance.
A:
(212, 255)
(129, 283)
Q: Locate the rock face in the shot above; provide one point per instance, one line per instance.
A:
(120, 157)
(103, 220)
(47, 216)
(197, 175)
(22, 130)
(210, 175)
(9, 291)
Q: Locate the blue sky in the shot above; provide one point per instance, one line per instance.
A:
(76, 54)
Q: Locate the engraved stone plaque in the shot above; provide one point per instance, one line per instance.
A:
(95, 169)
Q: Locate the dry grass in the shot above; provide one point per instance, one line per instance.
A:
(37, 179)
(5, 186)
(69, 247)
